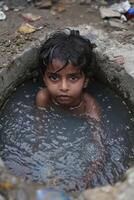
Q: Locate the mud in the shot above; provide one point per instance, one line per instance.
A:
(73, 14)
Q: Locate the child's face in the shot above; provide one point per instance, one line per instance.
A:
(65, 86)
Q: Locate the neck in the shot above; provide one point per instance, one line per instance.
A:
(71, 108)
(77, 106)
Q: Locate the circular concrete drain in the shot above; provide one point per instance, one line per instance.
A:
(118, 75)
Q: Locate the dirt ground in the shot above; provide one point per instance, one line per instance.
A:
(62, 14)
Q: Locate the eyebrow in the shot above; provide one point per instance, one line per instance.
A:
(75, 73)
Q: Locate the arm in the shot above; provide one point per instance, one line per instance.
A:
(93, 118)
(96, 164)
(42, 98)
(97, 159)
(42, 102)
(93, 110)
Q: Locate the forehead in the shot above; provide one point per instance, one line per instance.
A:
(58, 64)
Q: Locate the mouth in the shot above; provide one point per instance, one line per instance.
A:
(63, 98)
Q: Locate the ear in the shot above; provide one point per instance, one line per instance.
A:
(86, 82)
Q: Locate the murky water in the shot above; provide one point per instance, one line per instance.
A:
(60, 149)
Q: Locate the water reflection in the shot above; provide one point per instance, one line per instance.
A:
(58, 148)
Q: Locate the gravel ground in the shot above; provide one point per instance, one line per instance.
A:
(62, 14)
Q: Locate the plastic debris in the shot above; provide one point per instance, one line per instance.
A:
(5, 8)
(121, 7)
(124, 8)
(26, 28)
(2, 16)
(51, 194)
(130, 14)
(30, 17)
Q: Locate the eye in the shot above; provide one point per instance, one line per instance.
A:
(54, 77)
(74, 77)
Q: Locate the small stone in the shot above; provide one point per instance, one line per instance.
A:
(51, 194)
(30, 17)
(2, 198)
(108, 13)
(85, 2)
(103, 2)
(5, 8)
(19, 8)
(1, 3)
(1, 163)
(117, 24)
(60, 7)
(44, 4)
(53, 13)
(26, 28)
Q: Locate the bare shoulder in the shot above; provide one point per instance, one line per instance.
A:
(92, 107)
(42, 98)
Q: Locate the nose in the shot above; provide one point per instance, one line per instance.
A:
(64, 87)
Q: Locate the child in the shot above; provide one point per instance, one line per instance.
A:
(66, 62)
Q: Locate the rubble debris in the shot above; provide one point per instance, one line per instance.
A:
(1, 163)
(122, 10)
(121, 7)
(2, 16)
(30, 17)
(26, 28)
(5, 8)
(85, 2)
(51, 194)
(60, 7)
(1, 4)
(103, 2)
(130, 14)
(123, 18)
(53, 12)
(29, 1)
(116, 23)
(125, 8)
(1, 197)
(119, 59)
(44, 4)
(108, 13)
(18, 8)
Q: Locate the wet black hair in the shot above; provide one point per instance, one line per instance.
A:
(68, 48)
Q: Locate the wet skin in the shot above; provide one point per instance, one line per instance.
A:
(64, 87)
